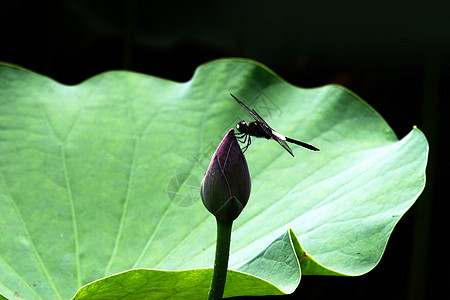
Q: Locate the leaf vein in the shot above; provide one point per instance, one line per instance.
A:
(33, 246)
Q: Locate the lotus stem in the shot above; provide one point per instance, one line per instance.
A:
(221, 260)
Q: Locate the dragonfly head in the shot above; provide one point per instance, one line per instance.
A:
(242, 126)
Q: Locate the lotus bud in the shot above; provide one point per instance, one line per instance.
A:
(225, 188)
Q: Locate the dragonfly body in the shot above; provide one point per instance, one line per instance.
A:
(253, 129)
(259, 128)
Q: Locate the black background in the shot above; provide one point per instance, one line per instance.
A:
(395, 55)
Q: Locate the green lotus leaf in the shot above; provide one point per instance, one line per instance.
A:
(99, 184)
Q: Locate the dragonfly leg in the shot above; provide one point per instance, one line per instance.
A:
(248, 140)
(244, 138)
(241, 137)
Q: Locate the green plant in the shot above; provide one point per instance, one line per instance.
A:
(99, 184)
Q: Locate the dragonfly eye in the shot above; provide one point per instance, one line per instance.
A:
(241, 125)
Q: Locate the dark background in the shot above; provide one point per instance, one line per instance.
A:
(395, 55)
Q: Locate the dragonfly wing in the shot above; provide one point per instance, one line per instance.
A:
(282, 141)
(284, 145)
(263, 123)
(243, 105)
(255, 116)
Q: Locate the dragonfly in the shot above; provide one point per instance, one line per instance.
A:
(260, 129)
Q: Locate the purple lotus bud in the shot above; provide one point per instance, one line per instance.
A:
(225, 188)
